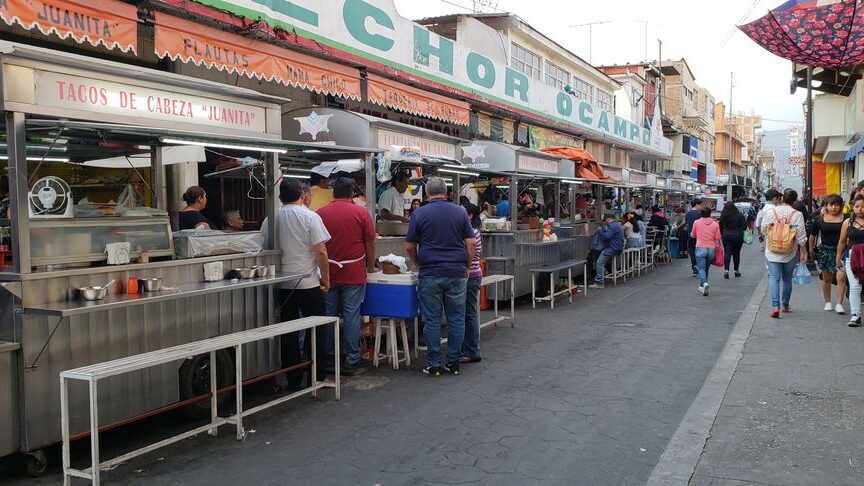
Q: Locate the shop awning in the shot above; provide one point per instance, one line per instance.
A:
(216, 49)
(855, 150)
(398, 96)
(108, 22)
(177, 154)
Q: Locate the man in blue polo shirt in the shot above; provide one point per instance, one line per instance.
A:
(440, 241)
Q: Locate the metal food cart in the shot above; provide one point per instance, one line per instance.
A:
(519, 249)
(350, 128)
(65, 109)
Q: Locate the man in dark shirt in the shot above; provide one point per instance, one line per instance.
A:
(440, 241)
(612, 238)
(689, 218)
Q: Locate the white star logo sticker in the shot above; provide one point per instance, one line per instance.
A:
(314, 124)
(474, 152)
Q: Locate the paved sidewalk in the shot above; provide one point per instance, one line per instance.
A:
(794, 410)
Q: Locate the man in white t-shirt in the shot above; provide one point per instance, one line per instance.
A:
(302, 237)
(391, 204)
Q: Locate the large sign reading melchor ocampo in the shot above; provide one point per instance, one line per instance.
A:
(374, 30)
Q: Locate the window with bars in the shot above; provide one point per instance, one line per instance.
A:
(556, 76)
(525, 61)
(604, 100)
(584, 90)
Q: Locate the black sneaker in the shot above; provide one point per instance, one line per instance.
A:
(452, 368)
(358, 367)
(432, 371)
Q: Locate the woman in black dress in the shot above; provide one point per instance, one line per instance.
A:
(190, 216)
(733, 224)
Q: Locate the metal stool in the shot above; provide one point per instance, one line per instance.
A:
(388, 325)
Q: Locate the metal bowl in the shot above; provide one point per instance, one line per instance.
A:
(260, 270)
(150, 284)
(245, 272)
(96, 292)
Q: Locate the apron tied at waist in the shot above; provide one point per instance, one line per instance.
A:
(347, 262)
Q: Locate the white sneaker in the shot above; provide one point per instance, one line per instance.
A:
(839, 309)
(705, 289)
(828, 307)
(700, 289)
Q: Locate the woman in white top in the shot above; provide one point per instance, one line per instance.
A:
(781, 266)
(631, 230)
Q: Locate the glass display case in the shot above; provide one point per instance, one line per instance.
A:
(82, 241)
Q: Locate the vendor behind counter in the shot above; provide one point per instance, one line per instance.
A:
(190, 217)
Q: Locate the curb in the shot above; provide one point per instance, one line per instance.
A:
(684, 450)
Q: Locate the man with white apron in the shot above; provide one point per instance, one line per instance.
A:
(351, 251)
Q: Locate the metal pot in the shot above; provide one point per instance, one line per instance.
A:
(95, 292)
(245, 272)
(150, 284)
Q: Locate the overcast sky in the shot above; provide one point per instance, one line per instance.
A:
(701, 32)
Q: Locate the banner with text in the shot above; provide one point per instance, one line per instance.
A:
(108, 22)
(374, 30)
(411, 100)
(215, 49)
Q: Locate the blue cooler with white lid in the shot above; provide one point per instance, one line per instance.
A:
(391, 296)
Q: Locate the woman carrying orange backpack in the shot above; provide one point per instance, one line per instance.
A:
(785, 239)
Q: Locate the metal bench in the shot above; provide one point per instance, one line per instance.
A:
(552, 270)
(93, 373)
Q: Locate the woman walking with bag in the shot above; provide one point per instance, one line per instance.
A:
(852, 235)
(785, 234)
(706, 232)
(825, 230)
(733, 224)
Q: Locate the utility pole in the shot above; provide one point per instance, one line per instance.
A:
(731, 135)
(590, 26)
(808, 131)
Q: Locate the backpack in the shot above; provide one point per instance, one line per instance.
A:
(780, 237)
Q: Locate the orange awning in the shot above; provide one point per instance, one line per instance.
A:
(411, 100)
(201, 45)
(111, 23)
(587, 166)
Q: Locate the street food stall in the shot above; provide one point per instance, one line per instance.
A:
(511, 246)
(404, 147)
(86, 230)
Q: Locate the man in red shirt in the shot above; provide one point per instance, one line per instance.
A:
(351, 250)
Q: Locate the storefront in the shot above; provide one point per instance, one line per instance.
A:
(534, 184)
(403, 147)
(71, 122)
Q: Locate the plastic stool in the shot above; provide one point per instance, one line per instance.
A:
(388, 325)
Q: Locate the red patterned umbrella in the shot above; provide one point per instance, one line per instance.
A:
(816, 33)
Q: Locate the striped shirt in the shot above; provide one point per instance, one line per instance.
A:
(474, 271)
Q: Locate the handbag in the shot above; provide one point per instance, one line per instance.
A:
(748, 237)
(718, 256)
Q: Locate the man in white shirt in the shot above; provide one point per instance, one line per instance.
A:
(391, 204)
(302, 237)
(773, 197)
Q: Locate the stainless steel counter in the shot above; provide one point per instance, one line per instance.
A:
(75, 307)
(57, 333)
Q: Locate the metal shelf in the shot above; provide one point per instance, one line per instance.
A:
(75, 307)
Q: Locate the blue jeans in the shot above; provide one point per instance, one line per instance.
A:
(471, 343)
(776, 273)
(600, 267)
(704, 257)
(435, 294)
(344, 300)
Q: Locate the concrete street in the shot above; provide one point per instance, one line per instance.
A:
(624, 387)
